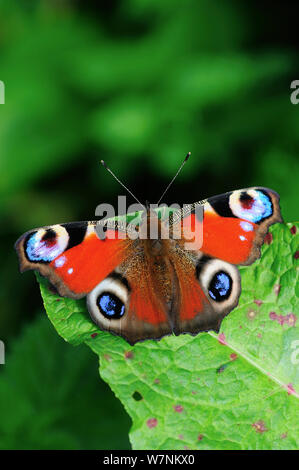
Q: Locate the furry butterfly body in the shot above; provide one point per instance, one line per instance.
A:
(146, 288)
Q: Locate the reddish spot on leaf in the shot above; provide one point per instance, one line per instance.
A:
(277, 288)
(107, 357)
(296, 255)
(157, 381)
(221, 339)
(258, 302)
(259, 335)
(268, 238)
(289, 319)
(194, 392)
(58, 300)
(129, 355)
(293, 230)
(178, 408)
(152, 423)
(180, 436)
(200, 437)
(94, 335)
(284, 435)
(290, 389)
(259, 426)
(273, 315)
(233, 356)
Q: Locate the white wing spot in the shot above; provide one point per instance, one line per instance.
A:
(60, 262)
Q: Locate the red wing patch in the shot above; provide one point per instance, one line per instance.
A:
(82, 267)
(233, 225)
(227, 238)
(192, 298)
(145, 305)
(192, 309)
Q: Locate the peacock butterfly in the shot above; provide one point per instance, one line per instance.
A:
(142, 288)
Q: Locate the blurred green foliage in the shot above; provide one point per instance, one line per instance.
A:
(51, 397)
(138, 83)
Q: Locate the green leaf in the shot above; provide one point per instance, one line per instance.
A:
(235, 390)
(51, 396)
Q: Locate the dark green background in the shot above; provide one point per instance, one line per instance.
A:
(137, 83)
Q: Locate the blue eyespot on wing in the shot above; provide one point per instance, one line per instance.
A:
(220, 286)
(45, 244)
(254, 205)
(110, 305)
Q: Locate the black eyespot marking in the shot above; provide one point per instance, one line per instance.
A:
(254, 205)
(41, 250)
(246, 200)
(76, 231)
(121, 278)
(49, 236)
(110, 306)
(220, 286)
(221, 205)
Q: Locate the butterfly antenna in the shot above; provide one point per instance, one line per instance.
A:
(183, 163)
(115, 177)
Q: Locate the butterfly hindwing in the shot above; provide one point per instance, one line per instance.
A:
(127, 303)
(207, 289)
